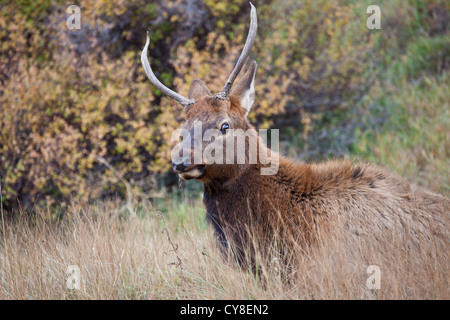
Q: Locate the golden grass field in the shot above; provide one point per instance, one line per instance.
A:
(152, 255)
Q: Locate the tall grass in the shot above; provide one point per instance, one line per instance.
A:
(159, 256)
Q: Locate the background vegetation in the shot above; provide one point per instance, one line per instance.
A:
(334, 87)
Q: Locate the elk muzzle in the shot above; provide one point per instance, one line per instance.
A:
(191, 171)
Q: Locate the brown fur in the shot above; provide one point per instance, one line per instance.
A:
(304, 205)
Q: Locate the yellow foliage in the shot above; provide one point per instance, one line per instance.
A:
(70, 96)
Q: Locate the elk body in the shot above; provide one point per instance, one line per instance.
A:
(302, 205)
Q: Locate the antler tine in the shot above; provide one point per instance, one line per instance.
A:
(223, 95)
(149, 72)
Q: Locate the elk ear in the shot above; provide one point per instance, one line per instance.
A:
(198, 90)
(245, 89)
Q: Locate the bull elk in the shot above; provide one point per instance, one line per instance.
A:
(301, 205)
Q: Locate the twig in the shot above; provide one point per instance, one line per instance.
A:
(179, 263)
(174, 246)
(127, 185)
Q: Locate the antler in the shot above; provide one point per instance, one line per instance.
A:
(148, 71)
(223, 95)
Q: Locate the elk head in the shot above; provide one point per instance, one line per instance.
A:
(212, 116)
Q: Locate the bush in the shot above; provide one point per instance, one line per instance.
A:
(70, 96)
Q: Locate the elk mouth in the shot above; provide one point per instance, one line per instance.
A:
(192, 173)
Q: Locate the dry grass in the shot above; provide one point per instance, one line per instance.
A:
(174, 256)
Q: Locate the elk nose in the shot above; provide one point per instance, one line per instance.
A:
(179, 167)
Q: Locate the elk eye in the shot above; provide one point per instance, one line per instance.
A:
(224, 128)
(181, 138)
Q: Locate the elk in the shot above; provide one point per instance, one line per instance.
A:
(302, 205)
